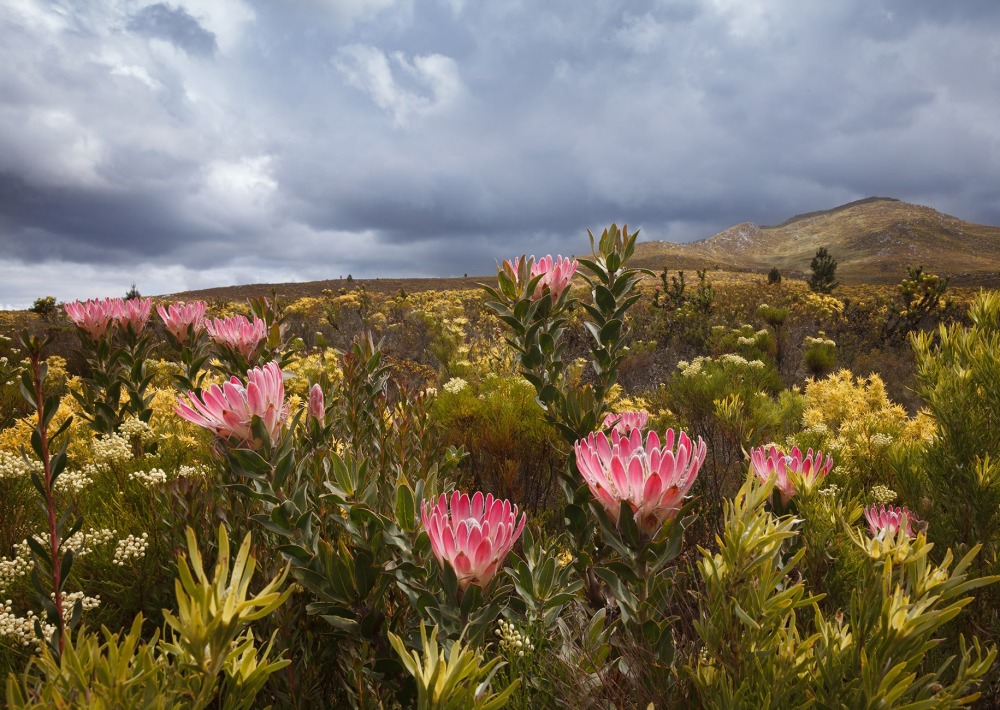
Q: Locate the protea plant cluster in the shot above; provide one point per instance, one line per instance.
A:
(669, 559)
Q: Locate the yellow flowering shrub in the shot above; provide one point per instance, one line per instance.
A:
(854, 420)
(310, 368)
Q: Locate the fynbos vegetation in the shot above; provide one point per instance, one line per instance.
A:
(580, 485)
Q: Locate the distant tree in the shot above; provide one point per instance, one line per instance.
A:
(44, 306)
(774, 276)
(350, 279)
(824, 271)
(132, 293)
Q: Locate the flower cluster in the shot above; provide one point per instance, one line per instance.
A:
(888, 521)
(186, 471)
(131, 548)
(133, 429)
(651, 478)
(180, 317)
(513, 642)
(471, 535)
(237, 333)
(112, 449)
(455, 385)
(73, 482)
(95, 316)
(810, 469)
(152, 477)
(228, 411)
(882, 495)
(13, 466)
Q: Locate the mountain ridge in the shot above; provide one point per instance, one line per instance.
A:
(874, 240)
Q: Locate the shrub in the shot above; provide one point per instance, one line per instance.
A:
(44, 306)
(774, 276)
(824, 271)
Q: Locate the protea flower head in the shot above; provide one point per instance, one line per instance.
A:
(94, 316)
(652, 478)
(317, 405)
(625, 422)
(237, 333)
(811, 468)
(178, 317)
(556, 275)
(889, 520)
(134, 312)
(471, 535)
(228, 410)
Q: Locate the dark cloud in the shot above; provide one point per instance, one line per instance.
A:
(424, 137)
(173, 24)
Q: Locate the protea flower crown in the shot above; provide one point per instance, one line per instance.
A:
(134, 312)
(94, 316)
(228, 410)
(178, 317)
(811, 468)
(556, 275)
(472, 535)
(625, 422)
(651, 478)
(889, 520)
(237, 333)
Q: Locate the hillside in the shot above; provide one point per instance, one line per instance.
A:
(873, 240)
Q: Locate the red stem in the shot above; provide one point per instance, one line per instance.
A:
(50, 503)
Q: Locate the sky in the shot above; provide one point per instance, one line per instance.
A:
(199, 143)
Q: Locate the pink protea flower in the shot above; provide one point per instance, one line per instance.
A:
(237, 333)
(651, 478)
(228, 410)
(94, 316)
(134, 311)
(179, 316)
(317, 406)
(811, 468)
(889, 519)
(472, 535)
(556, 275)
(627, 421)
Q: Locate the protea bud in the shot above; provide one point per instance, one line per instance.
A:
(237, 333)
(94, 316)
(317, 407)
(889, 520)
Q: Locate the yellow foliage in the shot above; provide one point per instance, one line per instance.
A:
(857, 423)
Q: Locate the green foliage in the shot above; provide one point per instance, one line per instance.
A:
(211, 659)
(753, 653)
(824, 272)
(921, 299)
(958, 473)
(820, 356)
(759, 651)
(513, 450)
(455, 680)
(45, 306)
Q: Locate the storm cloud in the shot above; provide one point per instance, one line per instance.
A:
(207, 142)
